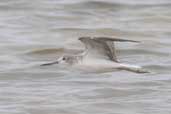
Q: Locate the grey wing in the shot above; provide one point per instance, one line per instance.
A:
(114, 39)
(96, 49)
(102, 47)
(111, 45)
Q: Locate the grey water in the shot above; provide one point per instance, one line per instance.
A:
(33, 32)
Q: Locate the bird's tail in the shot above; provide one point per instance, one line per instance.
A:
(133, 68)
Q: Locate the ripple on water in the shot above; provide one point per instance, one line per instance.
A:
(35, 32)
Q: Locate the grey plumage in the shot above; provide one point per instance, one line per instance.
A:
(99, 52)
(102, 46)
(97, 49)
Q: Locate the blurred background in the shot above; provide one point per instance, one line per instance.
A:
(36, 31)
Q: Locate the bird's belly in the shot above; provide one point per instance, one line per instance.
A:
(97, 66)
(100, 64)
(106, 66)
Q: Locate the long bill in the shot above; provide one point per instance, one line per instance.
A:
(51, 63)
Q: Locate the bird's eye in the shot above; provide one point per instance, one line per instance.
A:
(64, 58)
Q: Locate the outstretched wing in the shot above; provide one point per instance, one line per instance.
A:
(95, 49)
(101, 47)
(114, 39)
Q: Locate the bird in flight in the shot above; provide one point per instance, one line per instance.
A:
(99, 53)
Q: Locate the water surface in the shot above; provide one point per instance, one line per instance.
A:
(36, 31)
